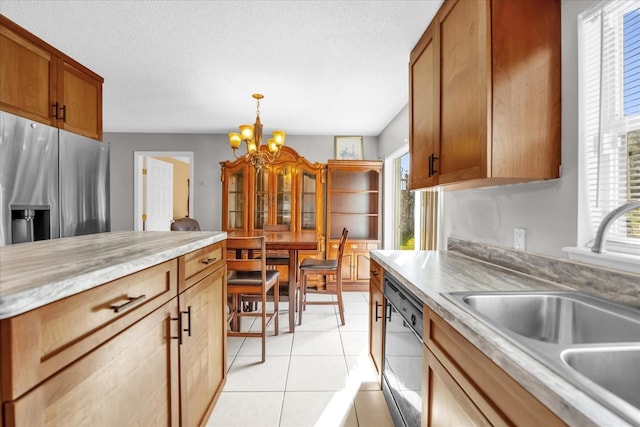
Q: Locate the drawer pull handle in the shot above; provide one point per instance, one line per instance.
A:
(188, 313)
(209, 261)
(132, 301)
(179, 337)
(181, 327)
(378, 305)
(354, 246)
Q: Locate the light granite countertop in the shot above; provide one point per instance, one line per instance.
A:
(38, 273)
(428, 274)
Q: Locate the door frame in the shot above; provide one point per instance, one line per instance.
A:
(138, 162)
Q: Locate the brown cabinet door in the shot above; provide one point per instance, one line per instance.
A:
(27, 76)
(282, 201)
(464, 84)
(80, 96)
(132, 379)
(362, 268)
(424, 93)
(444, 403)
(377, 309)
(203, 348)
(235, 196)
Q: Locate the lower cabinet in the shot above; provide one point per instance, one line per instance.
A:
(148, 349)
(131, 379)
(461, 386)
(355, 264)
(203, 347)
(377, 310)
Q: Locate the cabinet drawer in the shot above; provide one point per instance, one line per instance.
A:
(198, 264)
(353, 245)
(43, 341)
(376, 275)
(356, 246)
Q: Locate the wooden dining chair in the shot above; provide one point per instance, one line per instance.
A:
(248, 275)
(275, 258)
(322, 267)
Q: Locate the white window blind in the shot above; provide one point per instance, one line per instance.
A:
(610, 116)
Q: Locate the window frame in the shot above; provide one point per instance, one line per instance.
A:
(616, 125)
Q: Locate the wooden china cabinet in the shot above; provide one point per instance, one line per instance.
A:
(289, 191)
(354, 200)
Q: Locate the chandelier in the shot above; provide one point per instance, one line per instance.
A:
(252, 137)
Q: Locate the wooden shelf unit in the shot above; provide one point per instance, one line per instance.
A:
(354, 201)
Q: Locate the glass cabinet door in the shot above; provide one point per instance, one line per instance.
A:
(236, 199)
(261, 199)
(308, 201)
(283, 208)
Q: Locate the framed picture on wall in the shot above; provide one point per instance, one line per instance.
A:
(349, 148)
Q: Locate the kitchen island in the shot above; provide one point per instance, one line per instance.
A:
(474, 267)
(113, 329)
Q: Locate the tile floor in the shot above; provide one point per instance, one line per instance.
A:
(321, 375)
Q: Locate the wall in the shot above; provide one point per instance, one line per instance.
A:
(209, 151)
(395, 134)
(548, 210)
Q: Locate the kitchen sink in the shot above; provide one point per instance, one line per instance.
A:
(616, 369)
(591, 342)
(556, 318)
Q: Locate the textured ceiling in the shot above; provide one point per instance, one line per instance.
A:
(325, 67)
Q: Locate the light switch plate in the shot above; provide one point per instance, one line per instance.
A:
(520, 238)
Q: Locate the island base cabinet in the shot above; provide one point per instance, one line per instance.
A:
(461, 386)
(131, 379)
(203, 348)
(377, 312)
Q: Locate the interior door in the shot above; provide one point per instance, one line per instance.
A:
(158, 194)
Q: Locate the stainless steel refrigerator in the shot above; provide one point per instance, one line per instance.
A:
(53, 183)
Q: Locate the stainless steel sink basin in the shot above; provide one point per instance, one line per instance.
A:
(592, 343)
(616, 369)
(556, 318)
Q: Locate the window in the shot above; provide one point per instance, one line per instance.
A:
(405, 204)
(610, 117)
(402, 208)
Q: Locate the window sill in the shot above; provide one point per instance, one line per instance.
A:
(615, 260)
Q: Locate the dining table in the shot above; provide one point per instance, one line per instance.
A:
(293, 242)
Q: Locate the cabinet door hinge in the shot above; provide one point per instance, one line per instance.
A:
(144, 171)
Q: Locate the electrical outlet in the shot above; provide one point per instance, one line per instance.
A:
(520, 238)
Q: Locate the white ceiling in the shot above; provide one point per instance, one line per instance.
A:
(325, 67)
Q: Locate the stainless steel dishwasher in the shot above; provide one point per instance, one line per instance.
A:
(402, 368)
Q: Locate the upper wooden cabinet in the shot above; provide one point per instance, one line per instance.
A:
(423, 113)
(43, 84)
(289, 191)
(485, 94)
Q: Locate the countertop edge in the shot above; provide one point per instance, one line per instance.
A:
(24, 300)
(568, 402)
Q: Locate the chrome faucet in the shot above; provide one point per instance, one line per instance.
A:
(598, 243)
